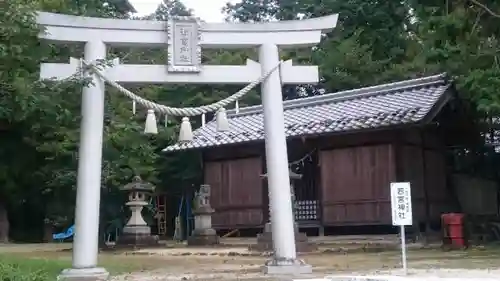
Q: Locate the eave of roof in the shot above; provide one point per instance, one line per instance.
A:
(399, 103)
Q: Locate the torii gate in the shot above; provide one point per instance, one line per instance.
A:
(184, 37)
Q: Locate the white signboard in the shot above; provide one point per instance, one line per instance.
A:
(401, 203)
(401, 213)
(184, 51)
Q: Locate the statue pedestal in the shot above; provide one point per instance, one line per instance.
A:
(136, 233)
(265, 241)
(203, 233)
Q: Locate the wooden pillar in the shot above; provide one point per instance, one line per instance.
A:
(400, 169)
(425, 188)
(4, 222)
(317, 181)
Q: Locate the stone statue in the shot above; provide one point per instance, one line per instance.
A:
(203, 233)
(204, 195)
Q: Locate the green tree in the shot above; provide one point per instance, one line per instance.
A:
(252, 10)
(91, 8)
(456, 37)
(371, 36)
(171, 8)
(18, 102)
(40, 121)
(462, 38)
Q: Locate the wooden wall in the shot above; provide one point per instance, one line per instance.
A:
(236, 192)
(410, 168)
(355, 175)
(355, 185)
(421, 155)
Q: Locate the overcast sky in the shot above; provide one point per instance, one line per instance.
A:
(208, 10)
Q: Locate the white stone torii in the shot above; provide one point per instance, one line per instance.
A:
(184, 37)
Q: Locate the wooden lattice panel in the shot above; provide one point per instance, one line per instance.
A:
(306, 210)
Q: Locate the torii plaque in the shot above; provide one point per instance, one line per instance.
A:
(183, 67)
(184, 51)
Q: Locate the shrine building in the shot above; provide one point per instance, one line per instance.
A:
(348, 146)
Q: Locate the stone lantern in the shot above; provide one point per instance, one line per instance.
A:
(136, 232)
(265, 241)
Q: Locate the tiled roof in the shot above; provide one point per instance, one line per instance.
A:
(384, 105)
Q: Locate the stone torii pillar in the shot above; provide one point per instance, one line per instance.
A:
(184, 39)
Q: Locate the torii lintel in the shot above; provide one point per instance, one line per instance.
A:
(121, 32)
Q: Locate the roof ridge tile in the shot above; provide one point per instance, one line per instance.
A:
(346, 95)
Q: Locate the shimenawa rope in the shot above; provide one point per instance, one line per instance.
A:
(186, 111)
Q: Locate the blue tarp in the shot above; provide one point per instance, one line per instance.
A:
(64, 235)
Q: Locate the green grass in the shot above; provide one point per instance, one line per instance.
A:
(15, 268)
(45, 266)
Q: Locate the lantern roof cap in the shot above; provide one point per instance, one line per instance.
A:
(138, 184)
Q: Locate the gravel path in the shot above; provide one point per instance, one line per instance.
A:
(393, 275)
(231, 265)
(425, 274)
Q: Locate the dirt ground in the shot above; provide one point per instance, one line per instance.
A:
(248, 268)
(231, 264)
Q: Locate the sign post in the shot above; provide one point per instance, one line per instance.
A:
(401, 213)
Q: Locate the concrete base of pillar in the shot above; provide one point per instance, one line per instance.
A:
(203, 237)
(84, 274)
(292, 268)
(136, 237)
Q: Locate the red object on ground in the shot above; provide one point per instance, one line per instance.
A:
(453, 225)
